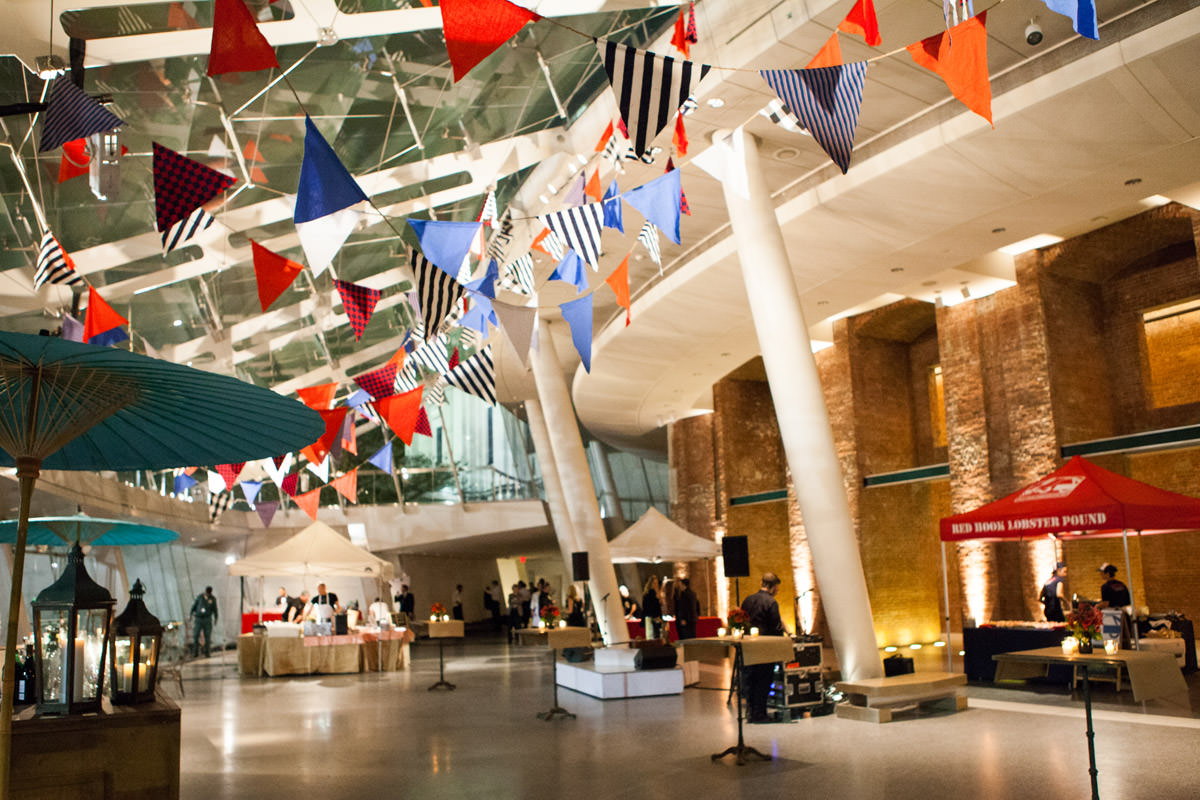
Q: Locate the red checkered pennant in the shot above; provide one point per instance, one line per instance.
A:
(423, 426)
(230, 472)
(291, 484)
(182, 185)
(359, 302)
(379, 383)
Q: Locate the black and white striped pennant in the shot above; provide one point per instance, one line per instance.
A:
(580, 228)
(497, 247)
(218, 504)
(71, 114)
(518, 277)
(437, 292)
(649, 88)
(648, 238)
(53, 266)
(186, 229)
(476, 376)
(432, 355)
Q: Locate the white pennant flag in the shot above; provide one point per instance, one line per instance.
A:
(278, 473)
(320, 470)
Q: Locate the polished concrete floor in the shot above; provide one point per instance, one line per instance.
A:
(386, 736)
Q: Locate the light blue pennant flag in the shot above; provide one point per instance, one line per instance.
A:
(612, 208)
(1082, 14)
(183, 483)
(445, 244)
(571, 270)
(578, 314)
(658, 201)
(383, 458)
(250, 490)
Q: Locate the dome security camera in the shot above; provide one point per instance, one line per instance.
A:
(1033, 34)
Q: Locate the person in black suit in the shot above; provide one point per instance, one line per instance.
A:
(687, 610)
(763, 612)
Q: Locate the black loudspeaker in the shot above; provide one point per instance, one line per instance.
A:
(579, 566)
(736, 556)
(655, 656)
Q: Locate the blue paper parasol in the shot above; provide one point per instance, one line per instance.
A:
(94, 531)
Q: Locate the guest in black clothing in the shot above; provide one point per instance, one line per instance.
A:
(652, 609)
(406, 603)
(687, 610)
(1114, 593)
(763, 612)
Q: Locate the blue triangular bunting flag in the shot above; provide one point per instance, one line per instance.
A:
(358, 398)
(658, 201)
(826, 100)
(445, 244)
(250, 490)
(578, 314)
(479, 314)
(326, 201)
(183, 483)
(612, 208)
(570, 270)
(71, 114)
(1082, 14)
(383, 458)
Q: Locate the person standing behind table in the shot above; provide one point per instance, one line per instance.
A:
(687, 610)
(525, 597)
(281, 601)
(295, 608)
(575, 616)
(763, 613)
(204, 611)
(514, 612)
(628, 605)
(378, 612)
(322, 606)
(407, 603)
(1053, 596)
(652, 608)
(456, 604)
(1113, 593)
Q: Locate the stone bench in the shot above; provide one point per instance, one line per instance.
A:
(877, 699)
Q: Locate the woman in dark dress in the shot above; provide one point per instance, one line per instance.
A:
(652, 608)
(575, 617)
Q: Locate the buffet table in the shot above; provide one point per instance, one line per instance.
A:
(253, 618)
(308, 655)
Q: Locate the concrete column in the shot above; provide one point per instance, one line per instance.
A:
(580, 495)
(803, 421)
(563, 530)
(626, 573)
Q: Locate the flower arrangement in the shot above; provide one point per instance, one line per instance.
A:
(549, 615)
(1085, 623)
(738, 620)
(437, 609)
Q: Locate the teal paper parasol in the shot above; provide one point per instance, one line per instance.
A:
(65, 405)
(94, 531)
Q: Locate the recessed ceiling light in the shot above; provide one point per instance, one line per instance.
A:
(897, 269)
(786, 153)
(177, 323)
(1133, 181)
(929, 283)
(822, 302)
(715, 102)
(999, 230)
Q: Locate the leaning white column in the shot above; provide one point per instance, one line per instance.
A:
(563, 530)
(803, 421)
(577, 487)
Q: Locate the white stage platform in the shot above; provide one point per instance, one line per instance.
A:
(618, 683)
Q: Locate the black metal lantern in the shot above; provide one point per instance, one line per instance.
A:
(71, 619)
(136, 639)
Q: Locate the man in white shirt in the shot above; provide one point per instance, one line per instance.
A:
(378, 611)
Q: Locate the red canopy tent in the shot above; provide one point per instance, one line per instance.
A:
(1077, 498)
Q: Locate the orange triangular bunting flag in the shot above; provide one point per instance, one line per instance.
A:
(401, 412)
(475, 28)
(252, 153)
(680, 139)
(347, 485)
(397, 359)
(593, 189)
(75, 160)
(318, 398)
(310, 453)
(309, 501)
(100, 316)
(274, 273)
(608, 132)
(830, 55)
(237, 43)
(618, 281)
(679, 37)
(179, 19)
(959, 55)
(862, 20)
(536, 244)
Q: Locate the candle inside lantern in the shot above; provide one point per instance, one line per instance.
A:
(562, 623)
(77, 685)
(721, 631)
(127, 677)
(754, 631)
(1111, 646)
(1070, 645)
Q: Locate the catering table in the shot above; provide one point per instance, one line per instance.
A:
(1151, 675)
(705, 627)
(980, 644)
(555, 639)
(295, 655)
(748, 650)
(449, 629)
(252, 619)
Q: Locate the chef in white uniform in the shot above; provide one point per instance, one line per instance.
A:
(322, 606)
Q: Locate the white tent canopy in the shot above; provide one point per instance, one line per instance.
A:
(654, 538)
(316, 550)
